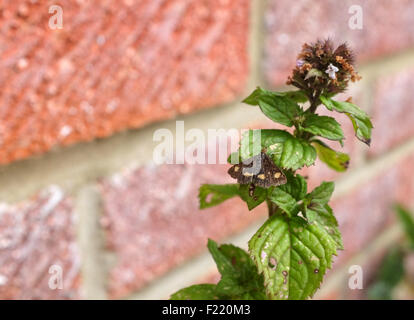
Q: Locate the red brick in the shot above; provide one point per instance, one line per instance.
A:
(153, 223)
(387, 28)
(34, 235)
(393, 111)
(367, 211)
(114, 65)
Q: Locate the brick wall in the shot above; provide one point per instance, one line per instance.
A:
(79, 106)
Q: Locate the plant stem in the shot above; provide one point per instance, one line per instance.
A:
(314, 103)
(272, 207)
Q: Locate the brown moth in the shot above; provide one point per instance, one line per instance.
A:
(260, 171)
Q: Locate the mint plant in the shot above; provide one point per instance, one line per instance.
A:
(290, 254)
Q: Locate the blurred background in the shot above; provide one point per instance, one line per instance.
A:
(85, 84)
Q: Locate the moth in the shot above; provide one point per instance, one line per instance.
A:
(260, 171)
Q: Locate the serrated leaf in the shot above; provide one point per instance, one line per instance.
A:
(321, 194)
(296, 186)
(211, 195)
(230, 287)
(196, 292)
(318, 211)
(280, 109)
(323, 216)
(297, 153)
(259, 196)
(277, 106)
(407, 222)
(240, 278)
(283, 200)
(333, 159)
(253, 141)
(224, 264)
(298, 96)
(292, 255)
(360, 120)
(253, 98)
(323, 126)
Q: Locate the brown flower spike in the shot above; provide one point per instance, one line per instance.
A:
(321, 69)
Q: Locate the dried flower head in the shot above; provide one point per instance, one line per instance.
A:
(321, 68)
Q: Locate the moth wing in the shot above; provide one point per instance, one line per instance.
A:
(261, 182)
(234, 171)
(274, 176)
(262, 179)
(245, 176)
(277, 178)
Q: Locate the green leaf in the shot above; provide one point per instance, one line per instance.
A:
(259, 196)
(323, 216)
(326, 127)
(296, 186)
(297, 153)
(322, 194)
(318, 211)
(292, 255)
(334, 159)
(359, 118)
(253, 141)
(211, 195)
(298, 96)
(390, 274)
(254, 97)
(229, 287)
(392, 268)
(347, 107)
(407, 222)
(196, 292)
(240, 278)
(224, 264)
(327, 102)
(362, 128)
(286, 151)
(279, 107)
(284, 200)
